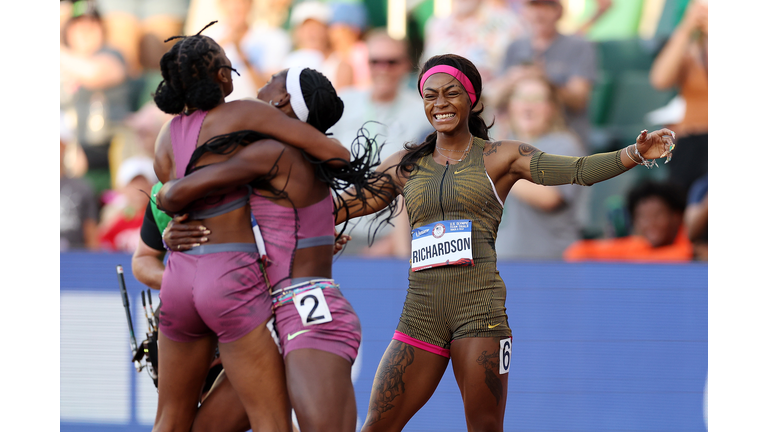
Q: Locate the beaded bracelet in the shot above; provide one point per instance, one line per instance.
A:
(647, 163)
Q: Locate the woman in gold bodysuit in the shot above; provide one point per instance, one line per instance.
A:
(453, 184)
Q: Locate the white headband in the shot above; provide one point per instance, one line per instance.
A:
(293, 87)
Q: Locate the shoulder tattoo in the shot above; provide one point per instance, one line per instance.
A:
(527, 149)
(491, 148)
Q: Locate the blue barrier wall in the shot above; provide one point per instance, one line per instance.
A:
(597, 347)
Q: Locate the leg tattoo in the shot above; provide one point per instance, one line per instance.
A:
(491, 364)
(389, 380)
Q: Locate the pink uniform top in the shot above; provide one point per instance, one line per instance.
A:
(286, 229)
(185, 131)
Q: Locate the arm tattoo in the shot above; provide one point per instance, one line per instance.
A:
(389, 380)
(493, 146)
(491, 364)
(527, 149)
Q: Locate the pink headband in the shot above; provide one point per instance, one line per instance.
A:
(450, 70)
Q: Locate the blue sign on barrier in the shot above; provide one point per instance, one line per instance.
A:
(593, 349)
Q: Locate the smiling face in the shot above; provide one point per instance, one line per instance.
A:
(446, 103)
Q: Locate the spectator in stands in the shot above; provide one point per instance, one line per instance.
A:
(656, 210)
(94, 88)
(78, 207)
(141, 25)
(478, 30)
(568, 61)
(122, 216)
(539, 222)
(144, 126)
(683, 63)
(400, 118)
(309, 23)
(696, 217)
(256, 52)
(347, 24)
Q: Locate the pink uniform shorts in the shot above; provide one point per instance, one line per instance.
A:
(215, 289)
(340, 336)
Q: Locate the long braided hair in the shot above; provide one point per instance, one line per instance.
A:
(356, 177)
(188, 69)
(477, 126)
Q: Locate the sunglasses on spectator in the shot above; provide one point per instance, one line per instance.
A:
(387, 62)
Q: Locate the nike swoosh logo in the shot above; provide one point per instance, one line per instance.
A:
(461, 171)
(291, 336)
(494, 326)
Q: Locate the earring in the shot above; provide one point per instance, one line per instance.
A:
(273, 103)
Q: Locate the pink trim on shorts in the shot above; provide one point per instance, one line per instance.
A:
(434, 349)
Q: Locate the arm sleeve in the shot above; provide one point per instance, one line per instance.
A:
(150, 233)
(550, 170)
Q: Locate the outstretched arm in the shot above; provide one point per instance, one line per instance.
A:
(542, 168)
(256, 159)
(260, 117)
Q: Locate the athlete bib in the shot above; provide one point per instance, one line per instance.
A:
(312, 307)
(442, 243)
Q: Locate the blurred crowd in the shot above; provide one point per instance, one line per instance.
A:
(569, 77)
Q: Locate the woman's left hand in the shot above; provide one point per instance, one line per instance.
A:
(179, 236)
(656, 144)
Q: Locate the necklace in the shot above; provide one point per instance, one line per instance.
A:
(469, 144)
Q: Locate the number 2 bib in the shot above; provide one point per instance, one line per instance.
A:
(312, 307)
(442, 243)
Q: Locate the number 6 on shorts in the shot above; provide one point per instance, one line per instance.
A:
(312, 307)
(505, 354)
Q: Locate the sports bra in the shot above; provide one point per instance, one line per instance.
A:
(185, 131)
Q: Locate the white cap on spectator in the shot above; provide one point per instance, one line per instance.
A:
(134, 167)
(310, 10)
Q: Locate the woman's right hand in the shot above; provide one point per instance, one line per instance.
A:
(179, 236)
(656, 144)
(339, 245)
